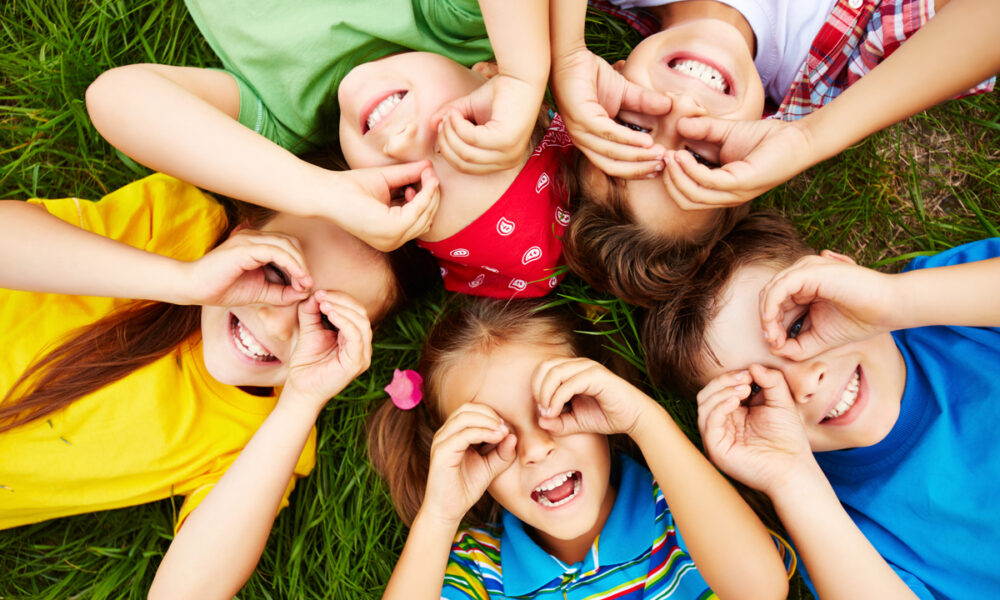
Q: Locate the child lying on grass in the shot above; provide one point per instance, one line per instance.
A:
(294, 73)
(691, 96)
(863, 404)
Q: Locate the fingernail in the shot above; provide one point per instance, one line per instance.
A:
(652, 175)
(767, 335)
(659, 166)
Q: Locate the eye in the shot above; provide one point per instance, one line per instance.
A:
(797, 326)
(325, 322)
(702, 160)
(633, 126)
(275, 274)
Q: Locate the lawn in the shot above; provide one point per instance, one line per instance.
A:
(919, 187)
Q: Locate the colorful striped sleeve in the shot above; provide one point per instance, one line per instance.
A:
(473, 565)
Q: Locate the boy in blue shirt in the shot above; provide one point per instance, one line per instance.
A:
(866, 411)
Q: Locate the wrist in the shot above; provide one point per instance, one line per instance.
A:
(651, 420)
(431, 519)
(803, 478)
(298, 405)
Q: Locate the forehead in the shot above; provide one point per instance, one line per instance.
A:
(499, 377)
(733, 338)
(337, 260)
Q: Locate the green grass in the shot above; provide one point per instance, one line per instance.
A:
(924, 185)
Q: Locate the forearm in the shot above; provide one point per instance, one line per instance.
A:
(954, 51)
(839, 558)
(567, 24)
(707, 510)
(217, 548)
(419, 573)
(182, 121)
(46, 254)
(519, 34)
(958, 295)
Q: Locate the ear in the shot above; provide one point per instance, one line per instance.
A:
(837, 256)
(619, 66)
(487, 69)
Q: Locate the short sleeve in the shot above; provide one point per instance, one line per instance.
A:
(473, 554)
(158, 214)
(255, 115)
(305, 464)
(966, 253)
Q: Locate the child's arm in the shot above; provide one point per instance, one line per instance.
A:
(219, 545)
(182, 121)
(706, 508)
(589, 94)
(765, 447)
(489, 129)
(42, 253)
(458, 478)
(846, 302)
(954, 51)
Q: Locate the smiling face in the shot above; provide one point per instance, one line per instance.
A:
(558, 485)
(706, 67)
(250, 345)
(847, 397)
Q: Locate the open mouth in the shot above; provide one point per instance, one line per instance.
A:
(379, 110)
(847, 397)
(247, 344)
(558, 489)
(708, 74)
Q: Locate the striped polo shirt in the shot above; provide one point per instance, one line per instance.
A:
(638, 554)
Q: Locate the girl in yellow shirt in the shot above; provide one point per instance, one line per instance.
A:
(139, 362)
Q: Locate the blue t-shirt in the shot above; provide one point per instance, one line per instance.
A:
(927, 496)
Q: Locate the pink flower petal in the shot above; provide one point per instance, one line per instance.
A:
(406, 388)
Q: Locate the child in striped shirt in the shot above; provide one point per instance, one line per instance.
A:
(523, 454)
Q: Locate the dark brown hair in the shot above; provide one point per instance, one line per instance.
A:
(141, 332)
(673, 331)
(399, 441)
(613, 253)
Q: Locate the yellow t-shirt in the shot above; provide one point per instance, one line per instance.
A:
(166, 429)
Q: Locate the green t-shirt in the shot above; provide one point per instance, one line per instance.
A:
(289, 58)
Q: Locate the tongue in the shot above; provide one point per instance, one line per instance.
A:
(561, 492)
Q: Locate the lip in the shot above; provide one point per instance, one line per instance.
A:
(369, 106)
(231, 321)
(856, 409)
(685, 54)
(571, 502)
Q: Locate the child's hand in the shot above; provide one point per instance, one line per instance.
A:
(469, 451)
(756, 156)
(599, 401)
(489, 129)
(334, 346)
(372, 216)
(241, 271)
(590, 93)
(757, 439)
(825, 301)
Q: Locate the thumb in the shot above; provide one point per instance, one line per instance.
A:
(564, 424)
(773, 386)
(707, 129)
(502, 456)
(638, 99)
(397, 176)
(279, 295)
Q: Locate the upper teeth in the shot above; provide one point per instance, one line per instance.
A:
(847, 398)
(710, 76)
(383, 108)
(554, 482)
(249, 345)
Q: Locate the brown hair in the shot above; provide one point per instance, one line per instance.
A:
(141, 332)
(673, 332)
(613, 253)
(399, 441)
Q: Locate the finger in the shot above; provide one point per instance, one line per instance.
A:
(735, 177)
(456, 443)
(502, 457)
(625, 169)
(682, 168)
(737, 391)
(639, 99)
(397, 176)
(280, 250)
(707, 129)
(726, 380)
(612, 139)
(476, 408)
(717, 424)
(554, 384)
(464, 154)
(418, 214)
(773, 386)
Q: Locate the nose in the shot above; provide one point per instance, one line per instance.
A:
(402, 144)
(684, 105)
(279, 322)
(804, 378)
(534, 445)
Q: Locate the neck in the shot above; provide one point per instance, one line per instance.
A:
(689, 10)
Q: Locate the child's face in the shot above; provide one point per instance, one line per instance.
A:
(250, 345)
(557, 485)
(822, 386)
(706, 67)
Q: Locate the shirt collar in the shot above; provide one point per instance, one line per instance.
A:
(526, 567)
